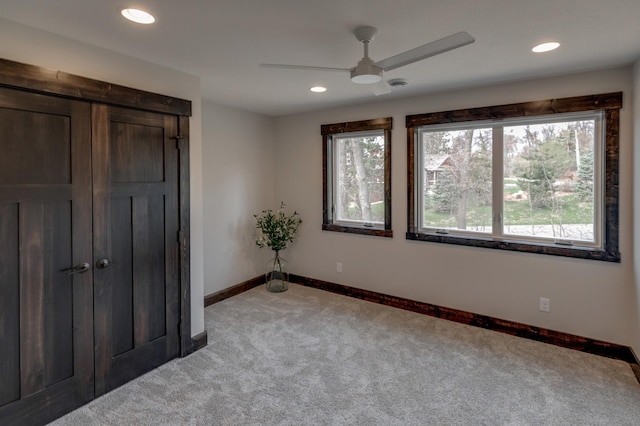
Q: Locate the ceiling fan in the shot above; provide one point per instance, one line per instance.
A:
(369, 72)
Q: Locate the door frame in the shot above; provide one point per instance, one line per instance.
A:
(57, 83)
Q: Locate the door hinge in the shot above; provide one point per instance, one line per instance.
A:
(179, 329)
(179, 236)
(179, 142)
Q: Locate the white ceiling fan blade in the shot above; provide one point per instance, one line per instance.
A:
(380, 88)
(425, 51)
(303, 67)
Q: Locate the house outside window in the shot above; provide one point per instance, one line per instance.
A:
(537, 177)
(357, 177)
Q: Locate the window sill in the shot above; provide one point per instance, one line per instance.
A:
(376, 232)
(528, 247)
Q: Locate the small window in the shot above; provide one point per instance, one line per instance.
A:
(536, 177)
(357, 177)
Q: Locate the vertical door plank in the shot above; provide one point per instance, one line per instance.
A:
(32, 345)
(58, 288)
(121, 276)
(82, 250)
(172, 218)
(101, 244)
(184, 263)
(157, 283)
(142, 268)
(10, 297)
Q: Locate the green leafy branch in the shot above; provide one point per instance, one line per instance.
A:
(278, 229)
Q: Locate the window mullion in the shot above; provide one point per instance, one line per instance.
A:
(419, 188)
(497, 180)
(599, 178)
(332, 177)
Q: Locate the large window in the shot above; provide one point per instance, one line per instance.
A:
(536, 177)
(357, 177)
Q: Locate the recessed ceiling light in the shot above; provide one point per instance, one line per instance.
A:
(318, 89)
(546, 47)
(139, 16)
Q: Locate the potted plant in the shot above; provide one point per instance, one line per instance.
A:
(276, 231)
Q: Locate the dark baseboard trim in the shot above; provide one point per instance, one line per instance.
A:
(565, 340)
(636, 370)
(199, 341)
(635, 367)
(233, 290)
(557, 338)
(196, 343)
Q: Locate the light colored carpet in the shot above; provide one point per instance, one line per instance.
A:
(309, 357)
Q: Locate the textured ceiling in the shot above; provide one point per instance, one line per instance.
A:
(223, 42)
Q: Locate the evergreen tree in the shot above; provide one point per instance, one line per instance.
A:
(584, 189)
(445, 194)
(546, 163)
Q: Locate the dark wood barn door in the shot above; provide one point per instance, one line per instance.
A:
(136, 249)
(46, 286)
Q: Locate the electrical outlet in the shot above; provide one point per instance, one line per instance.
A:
(545, 304)
(339, 267)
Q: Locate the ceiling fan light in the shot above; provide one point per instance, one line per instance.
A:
(365, 78)
(366, 73)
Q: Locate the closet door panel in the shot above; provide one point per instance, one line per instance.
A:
(135, 156)
(45, 232)
(136, 209)
(29, 160)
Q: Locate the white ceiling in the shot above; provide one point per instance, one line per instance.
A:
(223, 41)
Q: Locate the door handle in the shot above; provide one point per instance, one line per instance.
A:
(103, 263)
(83, 267)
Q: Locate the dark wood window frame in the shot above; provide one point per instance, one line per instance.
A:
(58, 83)
(609, 103)
(328, 131)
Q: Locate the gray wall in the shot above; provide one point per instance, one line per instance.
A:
(238, 169)
(588, 298)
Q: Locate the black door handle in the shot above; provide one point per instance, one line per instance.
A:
(83, 267)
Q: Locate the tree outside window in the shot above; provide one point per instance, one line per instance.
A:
(359, 178)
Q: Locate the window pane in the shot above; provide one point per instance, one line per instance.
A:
(456, 180)
(359, 179)
(549, 182)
